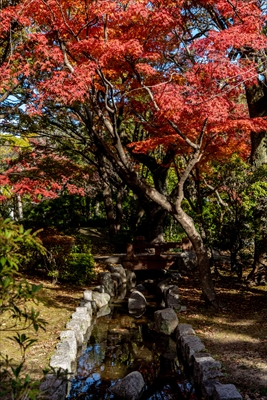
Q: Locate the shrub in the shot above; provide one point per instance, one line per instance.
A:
(79, 268)
(14, 296)
(68, 258)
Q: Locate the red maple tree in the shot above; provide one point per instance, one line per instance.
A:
(179, 70)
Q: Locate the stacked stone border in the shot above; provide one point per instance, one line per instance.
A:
(200, 365)
(73, 342)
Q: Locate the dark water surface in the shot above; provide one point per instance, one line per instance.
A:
(121, 343)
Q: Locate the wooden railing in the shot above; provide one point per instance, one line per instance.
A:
(140, 246)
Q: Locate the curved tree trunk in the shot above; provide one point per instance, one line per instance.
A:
(204, 266)
(121, 164)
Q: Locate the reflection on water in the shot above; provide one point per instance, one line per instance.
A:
(120, 344)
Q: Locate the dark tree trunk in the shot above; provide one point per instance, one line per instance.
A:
(157, 219)
(154, 221)
(259, 269)
(257, 104)
(107, 196)
(204, 266)
(108, 202)
(119, 210)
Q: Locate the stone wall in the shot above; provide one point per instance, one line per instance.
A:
(202, 366)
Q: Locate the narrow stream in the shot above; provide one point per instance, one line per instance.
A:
(119, 344)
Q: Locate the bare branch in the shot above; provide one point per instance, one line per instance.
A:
(184, 137)
(220, 200)
(66, 60)
(194, 159)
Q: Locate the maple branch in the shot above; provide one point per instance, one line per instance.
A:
(220, 200)
(200, 140)
(151, 97)
(88, 24)
(194, 159)
(106, 28)
(65, 22)
(8, 92)
(107, 85)
(112, 129)
(188, 51)
(184, 137)
(130, 176)
(50, 9)
(235, 10)
(66, 60)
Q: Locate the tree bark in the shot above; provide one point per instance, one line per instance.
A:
(119, 210)
(107, 196)
(257, 105)
(204, 266)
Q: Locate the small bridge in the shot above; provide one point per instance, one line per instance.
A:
(138, 256)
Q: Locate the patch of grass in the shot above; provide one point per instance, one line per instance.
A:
(56, 304)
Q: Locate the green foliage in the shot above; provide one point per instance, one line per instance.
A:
(233, 198)
(173, 231)
(15, 386)
(15, 245)
(68, 258)
(15, 295)
(64, 212)
(67, 212)
(78, 268)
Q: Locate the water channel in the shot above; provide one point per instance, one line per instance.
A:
(121, 343)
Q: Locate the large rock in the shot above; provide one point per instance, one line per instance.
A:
(205, 368)
(106, 310)
(101, 299)
(62, 358)
(136, 302)
(190, 345)
(87, 305)
(187, 261)
(166, 321)
(164, 285)
(141, 288)
(131, 279)
(121, 292)
(184, 329)
(119, 271)
(110, 285)
(226, 392)
(53, 388)
(70, 338)
(75, 326)
(113, 260)
(130, 387)
(87, 295)
(172, 298)
(82, 317)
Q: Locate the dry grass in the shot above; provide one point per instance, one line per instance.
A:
(57, 303)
